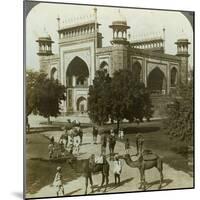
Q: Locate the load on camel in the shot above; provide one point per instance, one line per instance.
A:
(93, 165)
(60, 150)
(145, 161)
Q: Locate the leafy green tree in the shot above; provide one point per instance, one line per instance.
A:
(33, 79)
(122, 96)
(117, 98)
(43, 95)
(130, 99)
(50, 94)
(142, 103)
(99, 98)
(179, 124)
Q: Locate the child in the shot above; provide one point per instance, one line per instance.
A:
(62, 149)
(58, 181)
(51, 150)
(52, 140)
(121, 134)
(127, 146)
(117, 169)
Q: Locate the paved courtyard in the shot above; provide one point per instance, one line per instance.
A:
(173, 178)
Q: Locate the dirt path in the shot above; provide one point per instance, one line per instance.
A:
(129, 177)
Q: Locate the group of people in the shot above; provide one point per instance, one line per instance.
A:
(69, 141)
(72, 143)
(73, 139)
(111, 140)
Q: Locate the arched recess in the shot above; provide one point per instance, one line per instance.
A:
(156, 82)
(77, 73)
(136, 70)
(53, 73)
(104, 66)
(174, 75)
(81, 104)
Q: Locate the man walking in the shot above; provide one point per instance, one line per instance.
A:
(58, 181)
(112, 142)
(95, 133)
(103, 144)
(139, 143)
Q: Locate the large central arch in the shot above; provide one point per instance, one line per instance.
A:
(156, 82)
(77, 73)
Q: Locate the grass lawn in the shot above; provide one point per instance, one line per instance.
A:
(42, 172)
(158, 141)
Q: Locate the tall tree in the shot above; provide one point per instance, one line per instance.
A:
(130, 98)
(99, 98)
(179, 124)
(43, 95)
(117, 98)
(33, 79)
(50, 93)
(122, 96)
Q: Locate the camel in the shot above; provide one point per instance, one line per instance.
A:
(144, 162)
(89, 167)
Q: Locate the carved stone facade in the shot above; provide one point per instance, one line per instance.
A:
(81, 54)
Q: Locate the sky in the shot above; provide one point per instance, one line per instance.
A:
(144, 24)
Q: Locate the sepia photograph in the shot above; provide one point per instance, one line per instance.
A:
(109, 99)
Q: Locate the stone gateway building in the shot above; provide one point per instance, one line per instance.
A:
(81, 53)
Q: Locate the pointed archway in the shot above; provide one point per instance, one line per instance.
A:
(81, 104)
(156, 82)
(53, 73)
(136, 70)
(173, 77)
(77, 73)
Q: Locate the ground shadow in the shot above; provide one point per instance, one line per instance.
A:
(72, 192)
(112, 186)
(165, 183)
(83, 144)
(80, 154)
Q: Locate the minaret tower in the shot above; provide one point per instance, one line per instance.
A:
(45, 45)
(182, 52)
(45, 51)
(119, 27)
(120, 43)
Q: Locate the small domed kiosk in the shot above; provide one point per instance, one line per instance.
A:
(119, 26)
(45, 45)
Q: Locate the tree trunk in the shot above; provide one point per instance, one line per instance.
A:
(49, 120)
(118, 126)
